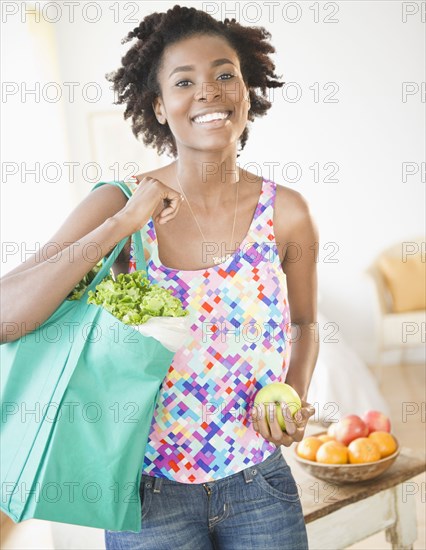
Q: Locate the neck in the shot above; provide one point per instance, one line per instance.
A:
(210, 181)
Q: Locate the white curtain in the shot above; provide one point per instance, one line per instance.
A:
(342, 383)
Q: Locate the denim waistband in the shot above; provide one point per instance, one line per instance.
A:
(248, 473)
(267, 465)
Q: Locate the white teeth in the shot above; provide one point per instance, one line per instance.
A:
(209, 117)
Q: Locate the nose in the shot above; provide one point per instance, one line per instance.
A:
(209, 91)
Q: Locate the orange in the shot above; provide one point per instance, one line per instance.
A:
(332, 452)
(308, 447)
(362, 450)
(385, 442)
(325, 437)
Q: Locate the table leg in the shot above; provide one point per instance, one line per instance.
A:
(403, 532)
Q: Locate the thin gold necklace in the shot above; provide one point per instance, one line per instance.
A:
(216, 259)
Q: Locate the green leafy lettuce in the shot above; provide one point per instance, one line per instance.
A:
(133, 300)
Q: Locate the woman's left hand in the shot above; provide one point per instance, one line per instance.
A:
(295, 426)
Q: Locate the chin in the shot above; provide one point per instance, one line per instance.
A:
(212, 144)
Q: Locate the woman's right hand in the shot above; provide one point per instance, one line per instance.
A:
(144, 201)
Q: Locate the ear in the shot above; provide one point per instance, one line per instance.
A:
(157, 106)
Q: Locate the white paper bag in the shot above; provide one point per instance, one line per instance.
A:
(170, 331)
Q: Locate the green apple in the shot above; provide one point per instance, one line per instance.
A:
(277, 393)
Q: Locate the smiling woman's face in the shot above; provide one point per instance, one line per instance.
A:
(201, 75)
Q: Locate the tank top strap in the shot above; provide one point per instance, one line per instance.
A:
(262, 223)
(261, 232)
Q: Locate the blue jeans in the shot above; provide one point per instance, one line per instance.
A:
(256, 509)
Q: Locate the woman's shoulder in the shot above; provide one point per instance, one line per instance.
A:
(156, 173)
(292, 210)
(288, 198)
(163, 173)
(285, 197)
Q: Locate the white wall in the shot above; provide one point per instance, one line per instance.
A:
(368, 133)
(33, 141)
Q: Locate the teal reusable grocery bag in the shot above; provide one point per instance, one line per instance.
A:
(78, 396)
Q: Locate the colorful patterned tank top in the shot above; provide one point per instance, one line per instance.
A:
(240, 341)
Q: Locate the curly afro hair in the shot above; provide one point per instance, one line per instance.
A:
(135, 82)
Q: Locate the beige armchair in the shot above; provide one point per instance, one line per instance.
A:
(399, 277)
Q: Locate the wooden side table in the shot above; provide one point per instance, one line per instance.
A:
(337, 516)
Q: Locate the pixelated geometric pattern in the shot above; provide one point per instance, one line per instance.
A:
(240, 341)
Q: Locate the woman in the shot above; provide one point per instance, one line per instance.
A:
(224, 242)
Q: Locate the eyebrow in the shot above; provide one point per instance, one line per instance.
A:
(214, 63)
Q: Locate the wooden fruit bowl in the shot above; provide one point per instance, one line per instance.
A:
(347, 473)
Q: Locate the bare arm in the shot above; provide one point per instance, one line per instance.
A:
(301, 269)
(298, 232)
(35, 289)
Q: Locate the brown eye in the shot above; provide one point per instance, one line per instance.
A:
(180, 82)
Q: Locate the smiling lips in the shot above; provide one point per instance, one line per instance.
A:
(211, 117)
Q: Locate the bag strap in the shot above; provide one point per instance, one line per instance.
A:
(136, 238)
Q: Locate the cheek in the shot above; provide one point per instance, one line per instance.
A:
(240, 95)
(176, 101)
(243, 105)
(178, 109)
(177, 105)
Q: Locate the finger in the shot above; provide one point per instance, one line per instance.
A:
(290, 426)
(289, 438)
(286, 440)
(308, 407)
(299, 435)
(170, 211)
(304, 414)
(260, 422)
(311, 411)
(141, 184)
(167, 212)
(275, 428)
(255, 418)
(263, 423)
(300, 419)
(171, 202)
